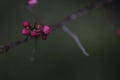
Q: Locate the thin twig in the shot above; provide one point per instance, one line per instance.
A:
(34, 50)
(75, 38)
(4, 48)
(83, 11)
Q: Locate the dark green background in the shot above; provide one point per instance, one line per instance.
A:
(59, 58)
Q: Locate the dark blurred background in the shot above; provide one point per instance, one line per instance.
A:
(59, 58)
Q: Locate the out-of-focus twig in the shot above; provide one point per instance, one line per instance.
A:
(34, 50)
(75, 38)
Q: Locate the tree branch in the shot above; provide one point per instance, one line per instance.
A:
(98, 4)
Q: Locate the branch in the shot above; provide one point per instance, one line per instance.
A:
(4, 48)
(83, 11)
(98, 4)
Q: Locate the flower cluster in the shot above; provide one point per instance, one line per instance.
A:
(36, 31)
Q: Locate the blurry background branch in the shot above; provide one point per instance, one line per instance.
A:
(95, 5)
(75, 38)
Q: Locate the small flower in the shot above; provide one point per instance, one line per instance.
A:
(25, 32)
(46, 29)
(34, 33)
(32, 2)
(26, 24)
(44, 37)
(38, 27)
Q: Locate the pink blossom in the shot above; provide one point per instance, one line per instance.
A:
(25, 32)
(44, 37)
(32, 2)
(46, 29)
(35, 34)
(26, 24)
(38, 27)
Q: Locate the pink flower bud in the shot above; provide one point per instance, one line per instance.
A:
(25, 24)
(46, 30)
(25, 32)
(34, 33)
(44, 37)
(38, 27)
(32, 3)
